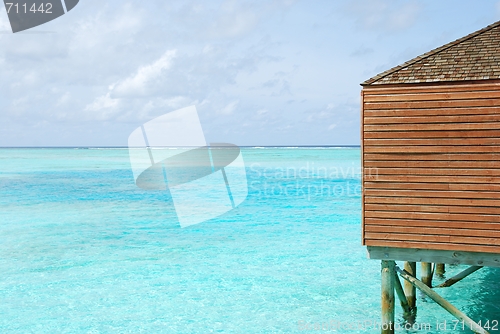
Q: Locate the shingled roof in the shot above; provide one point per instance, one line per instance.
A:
(473, 57)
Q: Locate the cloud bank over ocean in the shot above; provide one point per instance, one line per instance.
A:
(259, 72)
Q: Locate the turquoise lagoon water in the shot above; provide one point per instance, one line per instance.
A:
(83, 250)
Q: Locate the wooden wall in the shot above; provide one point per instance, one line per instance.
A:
(431, 158)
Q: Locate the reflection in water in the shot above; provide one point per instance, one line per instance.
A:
(485, 304)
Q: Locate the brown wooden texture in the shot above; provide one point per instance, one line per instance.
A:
(433, 119)
(377, 134)
(362, 164)
(421, 223)
(432, 186)
(432, 88)
(433, 156)
(433, 231)
(388, 193)
(431, 162)
(432, 245)
(433, 112)
(373, 176)
(433, 96)
(431, 127)
(432, 141)
(430, 103)
(432, 216)
(426, 164)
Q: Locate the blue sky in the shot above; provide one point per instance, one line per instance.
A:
(279, 72)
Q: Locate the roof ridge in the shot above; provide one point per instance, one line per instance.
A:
(429, 53)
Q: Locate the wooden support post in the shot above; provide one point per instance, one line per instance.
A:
(442, 302)
(410, 290)
(426, 274)
(401, 296)
(459, 276)
(387, 273)
(440, 269)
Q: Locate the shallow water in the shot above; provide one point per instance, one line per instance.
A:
(83, 250)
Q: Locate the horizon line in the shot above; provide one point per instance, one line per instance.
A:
(246, 146)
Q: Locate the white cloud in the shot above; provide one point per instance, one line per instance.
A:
(361, 51)
(4, 22)
(64, 99)
(110, 25)
(332, 126)
(158, 106)
(321, 115)
(123, 45)
(101, 103)
(235, 19)
(137, 84)
(107, 61)
(405, 16)
(140, 84)
(387, 15)
(229, 109)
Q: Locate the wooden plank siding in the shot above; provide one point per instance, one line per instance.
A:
(362, 164)
(431, 162)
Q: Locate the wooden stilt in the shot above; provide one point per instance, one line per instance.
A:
(442, 302)
(426, 274)
(387, 273)
(459, 276)
(440, 269)
(401, 296)
(410, 291)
